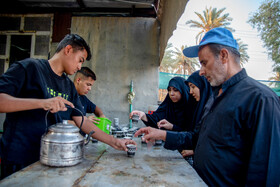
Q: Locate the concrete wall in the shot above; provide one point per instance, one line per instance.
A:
(126, 49)
(123, 49)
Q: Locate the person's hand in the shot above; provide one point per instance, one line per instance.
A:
(94, 119)
(151, 134)
(165, 124)
(120, 144)
(56, 104)
(141, 114)
(185, 153)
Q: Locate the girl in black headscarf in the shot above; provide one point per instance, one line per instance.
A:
(175, 112)
(200, 89)
(195, 81)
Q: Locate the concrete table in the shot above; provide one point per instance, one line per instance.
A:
(105, 166)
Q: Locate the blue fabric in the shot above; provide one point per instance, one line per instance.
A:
(180, 113)
(32, 78)
(217, 35)
(239, 139)
(7, 169)
(88, 106)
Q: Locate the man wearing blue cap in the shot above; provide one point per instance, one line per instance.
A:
(239, 137)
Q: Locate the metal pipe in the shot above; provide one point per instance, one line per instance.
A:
(130, 105)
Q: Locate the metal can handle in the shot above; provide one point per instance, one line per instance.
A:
(65, 121)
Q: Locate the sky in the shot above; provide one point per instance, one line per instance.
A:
(259, 65)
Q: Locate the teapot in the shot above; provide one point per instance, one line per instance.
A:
(63, 145)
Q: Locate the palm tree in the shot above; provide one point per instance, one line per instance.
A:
(211, 18)
(167, 60)
(275, 78)
(183, 63)
(276, 69)
(244, 57)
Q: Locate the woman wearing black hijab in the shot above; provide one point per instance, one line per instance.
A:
(200, 89)
(175, 112)
(205, 90)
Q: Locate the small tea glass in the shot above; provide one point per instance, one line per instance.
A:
(131, 149)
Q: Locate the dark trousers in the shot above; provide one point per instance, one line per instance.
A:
(189, 159)
(9, 168)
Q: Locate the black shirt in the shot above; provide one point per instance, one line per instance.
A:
(239, 138)
(32, 78)
(88, 106)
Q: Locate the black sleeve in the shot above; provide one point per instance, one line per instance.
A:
(152, 120)
(77, 103)
(265, 151)
(13, 80)
(176, 128)
(90, 106)
(179, 140)
(158, 115)
(182, 140)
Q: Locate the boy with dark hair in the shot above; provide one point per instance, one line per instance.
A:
(29, 89)
(83, 81)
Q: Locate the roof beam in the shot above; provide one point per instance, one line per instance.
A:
(81, 3)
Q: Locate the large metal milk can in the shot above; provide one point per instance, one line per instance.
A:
(62, 145)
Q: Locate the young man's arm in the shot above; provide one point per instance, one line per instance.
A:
(12, 104)
(87, 127)
(98, 112)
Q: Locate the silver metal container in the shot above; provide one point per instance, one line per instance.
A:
(62, 145)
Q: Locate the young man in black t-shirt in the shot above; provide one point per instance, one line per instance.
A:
(29, 89)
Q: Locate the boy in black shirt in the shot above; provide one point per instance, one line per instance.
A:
(83, 81)
(29, 89)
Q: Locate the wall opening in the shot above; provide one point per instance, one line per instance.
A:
(20, 48)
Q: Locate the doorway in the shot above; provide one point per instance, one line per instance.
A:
(20, 48)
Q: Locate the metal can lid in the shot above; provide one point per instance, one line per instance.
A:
(64, 127)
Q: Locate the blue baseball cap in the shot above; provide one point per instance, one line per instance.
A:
(214, 36)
